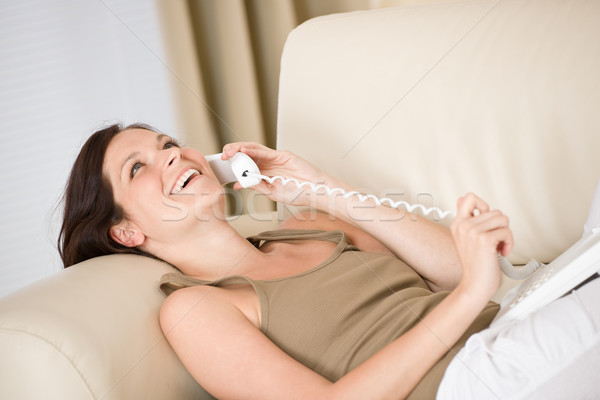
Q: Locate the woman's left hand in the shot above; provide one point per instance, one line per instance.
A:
(479, 235)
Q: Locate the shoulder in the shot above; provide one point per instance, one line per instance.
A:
(326, 222)
(209, 301)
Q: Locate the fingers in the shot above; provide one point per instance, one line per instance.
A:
(262, 187)
(470, 205)
(250, 148)
(499, 239)
(475, 223)
(490, 220)
(505, 245)
(474, 228)
(261, 154)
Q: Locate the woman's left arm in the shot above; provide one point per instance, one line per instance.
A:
(426, 246)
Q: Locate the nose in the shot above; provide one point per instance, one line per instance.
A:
(173, 155)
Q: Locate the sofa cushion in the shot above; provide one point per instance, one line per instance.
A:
(428, 102)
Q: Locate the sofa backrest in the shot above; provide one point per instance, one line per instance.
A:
(429, 102)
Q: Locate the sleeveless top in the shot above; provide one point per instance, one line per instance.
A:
(336, 315)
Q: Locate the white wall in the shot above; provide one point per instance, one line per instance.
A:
(67, 68)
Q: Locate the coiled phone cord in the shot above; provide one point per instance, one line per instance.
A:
(507, 268)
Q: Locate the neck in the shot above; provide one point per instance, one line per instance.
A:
(210, 253)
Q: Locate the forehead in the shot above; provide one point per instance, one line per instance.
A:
(128, 138)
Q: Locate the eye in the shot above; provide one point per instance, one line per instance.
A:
(170, 143)
(134, 169)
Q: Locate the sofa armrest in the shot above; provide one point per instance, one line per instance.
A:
(90, 332)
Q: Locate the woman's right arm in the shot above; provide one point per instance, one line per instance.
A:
(219, 342)
(231, 358)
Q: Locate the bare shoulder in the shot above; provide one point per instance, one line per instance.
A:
(207, 301)
(326, 222)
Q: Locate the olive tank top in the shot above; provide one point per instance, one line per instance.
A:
(336, 315)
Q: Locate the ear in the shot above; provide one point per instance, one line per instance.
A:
(127, 234)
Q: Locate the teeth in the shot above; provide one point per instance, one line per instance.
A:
(184, 177)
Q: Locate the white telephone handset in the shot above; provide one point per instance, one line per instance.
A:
(239, 168)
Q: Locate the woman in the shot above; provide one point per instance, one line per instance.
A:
(298, 312)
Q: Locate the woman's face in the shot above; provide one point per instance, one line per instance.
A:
(161, 187)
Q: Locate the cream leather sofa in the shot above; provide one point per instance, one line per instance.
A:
(423, 103)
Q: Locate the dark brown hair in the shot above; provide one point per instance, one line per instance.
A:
(89, 206)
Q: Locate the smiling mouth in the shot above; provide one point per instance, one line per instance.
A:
(184, 179)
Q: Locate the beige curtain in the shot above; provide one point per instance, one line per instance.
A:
(224, 55)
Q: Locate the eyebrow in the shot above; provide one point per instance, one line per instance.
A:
(160, 137)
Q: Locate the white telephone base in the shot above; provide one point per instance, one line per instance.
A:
(552, 281)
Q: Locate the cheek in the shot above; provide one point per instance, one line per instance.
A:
(196, 157)
(142, 201)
